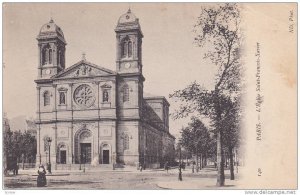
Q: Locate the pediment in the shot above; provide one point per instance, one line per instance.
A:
(84, 69)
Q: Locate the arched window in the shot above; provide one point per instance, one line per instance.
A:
(125, 93)
(46, 98)
(126, 47)
(44, 54)
(58, 58)
(62, 59)
(129, 49)
(62, 97)
(105, 95)
(126, 142)
(50, 56)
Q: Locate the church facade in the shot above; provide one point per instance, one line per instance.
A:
(94, 115)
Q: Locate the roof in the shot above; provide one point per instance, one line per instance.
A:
(51, 30)
(93, 68)
(128, 21)
(157, 98)
(127, 17)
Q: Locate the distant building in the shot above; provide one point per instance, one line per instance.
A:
(6, 132)
(95, 115)
(6, 126)
(31, 127)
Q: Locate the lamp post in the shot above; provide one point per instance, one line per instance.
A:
(46, 156)
(49, 140)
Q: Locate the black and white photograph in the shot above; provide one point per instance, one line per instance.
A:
(149, 96)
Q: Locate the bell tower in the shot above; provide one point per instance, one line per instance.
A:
(52, 46)
(129, 44)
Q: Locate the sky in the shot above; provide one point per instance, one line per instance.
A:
(170, 58)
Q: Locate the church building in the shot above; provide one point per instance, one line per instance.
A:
(87, 114)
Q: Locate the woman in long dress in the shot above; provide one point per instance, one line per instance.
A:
(41, 179)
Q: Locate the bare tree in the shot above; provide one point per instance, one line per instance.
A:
(217, 29)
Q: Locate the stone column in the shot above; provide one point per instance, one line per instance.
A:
(72, 126)
(118, 52)
(54, 144)
(40, 62)
(98, 123)
(38, 156)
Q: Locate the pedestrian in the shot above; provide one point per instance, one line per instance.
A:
(167, 166)
(41, 179)
(17, 168)
(193, 167)
(15, 172)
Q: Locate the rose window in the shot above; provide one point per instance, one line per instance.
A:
(84, 96)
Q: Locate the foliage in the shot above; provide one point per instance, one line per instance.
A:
(18, 145)
(218, 28)
(195, 138)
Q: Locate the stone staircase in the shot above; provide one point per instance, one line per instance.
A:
(82, 166)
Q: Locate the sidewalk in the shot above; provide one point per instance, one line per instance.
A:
(196, 184)
(204, 179)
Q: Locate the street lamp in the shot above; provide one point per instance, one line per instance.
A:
(49, 140)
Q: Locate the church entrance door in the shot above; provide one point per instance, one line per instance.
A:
(63, 157)
(85, 153)
(105, 156)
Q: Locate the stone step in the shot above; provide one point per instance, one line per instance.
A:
(86, 166)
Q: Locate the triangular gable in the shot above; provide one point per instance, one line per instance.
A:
(84, 69)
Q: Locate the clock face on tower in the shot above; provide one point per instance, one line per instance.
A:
(127, 65)
(84, 96)
(48, 71)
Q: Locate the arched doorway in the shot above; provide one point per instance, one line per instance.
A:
(83, 144)
(106, 154)
(62, 153)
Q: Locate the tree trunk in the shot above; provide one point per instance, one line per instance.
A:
(200, 159)
(23, 162)
(197, 168)
(231, 164)
(220, 160)
(225, 156)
